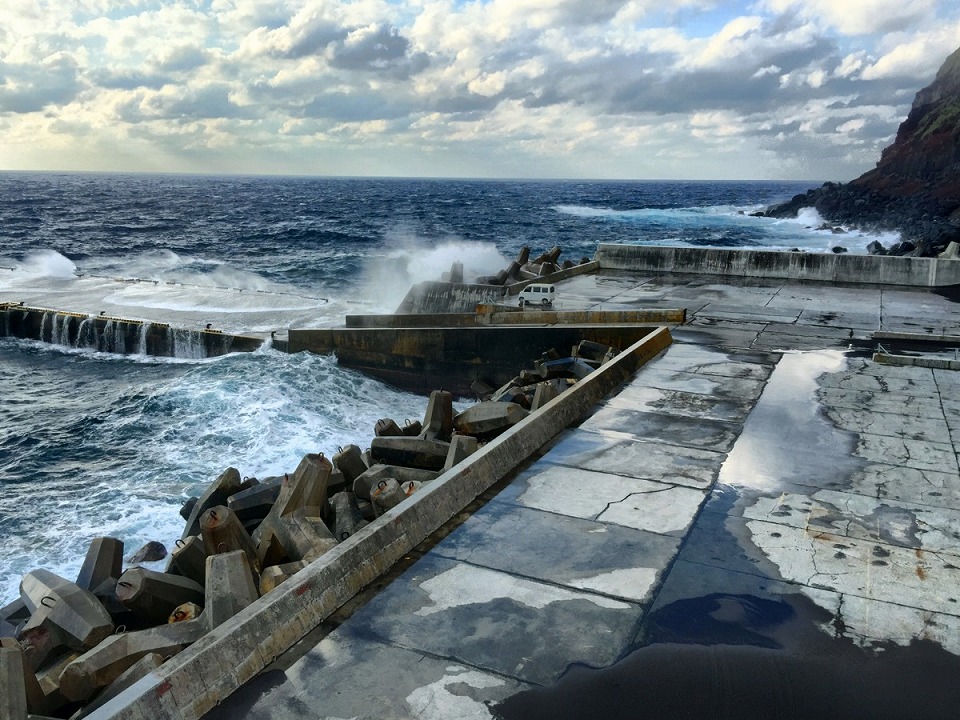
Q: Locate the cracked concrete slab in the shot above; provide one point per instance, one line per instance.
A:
(622, 454)
(678, 402)
(907, 405)
(656, 507)
(524, 629)
(666, 378)
(718, 435)
(906, 484)
(905, 576)
(918, 386)
(934, 430)
(907, 453)
(395, 684)
(568, 551)
(908, 525)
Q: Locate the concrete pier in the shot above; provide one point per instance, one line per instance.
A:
(756, 497)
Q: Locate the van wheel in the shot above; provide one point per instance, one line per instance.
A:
(521, 302)
(544, 302)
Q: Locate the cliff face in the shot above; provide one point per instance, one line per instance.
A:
(925, 157)
(915, 187)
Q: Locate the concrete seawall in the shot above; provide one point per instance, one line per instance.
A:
(193, 682)
(118, 335)
(422, 359)
(495, 315)
(821, 267)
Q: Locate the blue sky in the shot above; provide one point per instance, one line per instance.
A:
(774, 89)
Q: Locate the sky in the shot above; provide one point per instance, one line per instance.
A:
(632, 89)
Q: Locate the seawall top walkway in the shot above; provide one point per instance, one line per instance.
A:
(762, 523)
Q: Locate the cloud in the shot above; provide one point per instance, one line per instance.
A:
(918, 57)
(858, 17)
(26, 88)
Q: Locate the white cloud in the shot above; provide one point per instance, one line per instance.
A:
(920, 56)
(858, 17)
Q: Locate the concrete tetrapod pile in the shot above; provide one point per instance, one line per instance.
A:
(523, 268)
(67, 648)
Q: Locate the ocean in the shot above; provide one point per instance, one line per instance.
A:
(97, 444)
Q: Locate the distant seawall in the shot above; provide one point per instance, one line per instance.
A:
(821, 267)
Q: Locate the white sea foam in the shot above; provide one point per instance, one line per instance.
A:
(388, 278)
(177, 429)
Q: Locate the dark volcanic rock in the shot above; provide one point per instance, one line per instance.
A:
(915, 187)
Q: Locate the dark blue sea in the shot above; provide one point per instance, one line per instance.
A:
(96, 444)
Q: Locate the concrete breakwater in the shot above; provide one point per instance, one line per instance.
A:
(118, 335)
(816, 267)
(336, 525)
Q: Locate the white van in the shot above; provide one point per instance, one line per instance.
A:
(538, 294)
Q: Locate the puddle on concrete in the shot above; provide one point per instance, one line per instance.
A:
(786, 438)
(739, 656)
(739, 682)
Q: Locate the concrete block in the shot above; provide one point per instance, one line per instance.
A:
(349, 461)
(461, 447)
(217, 493)
(150, 552)
(13, 617)
(412, 428)
(387, 427)
(74, 614)
(346, 513)
(13, 688)
(255, 502)
(363, 483)
(438, 420)
(187, 507)
(222, 533)
(48, 680)
(307, 488)
(336, 483)
(137, 671)
(104, 560)
(545, 392)
(270, 548)
(189, 559)
(153, 595)
(274, 575)
(31, 686)
(410, 452)
(305, 537)
(387, 494)
(486, 420)
(99, 667)
(230, 586)
(41, 645)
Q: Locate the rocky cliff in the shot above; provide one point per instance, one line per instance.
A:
(915, 187)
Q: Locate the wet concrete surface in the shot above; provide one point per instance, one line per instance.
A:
(760, 525)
